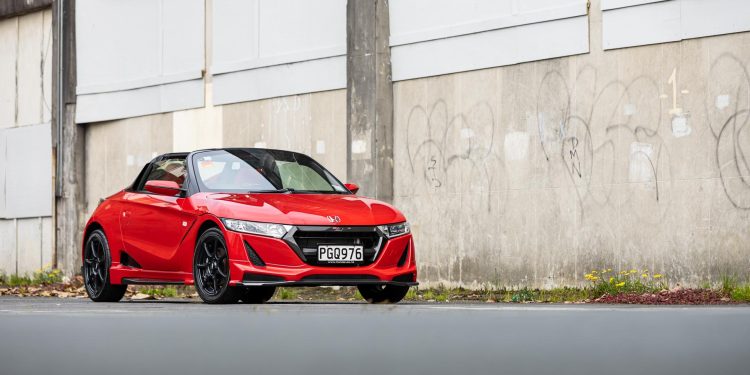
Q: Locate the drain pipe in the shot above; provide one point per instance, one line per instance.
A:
(60, 99)
(60, 80)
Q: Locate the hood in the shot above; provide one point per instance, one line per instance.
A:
(303, 209)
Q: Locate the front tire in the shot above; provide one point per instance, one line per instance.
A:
(96, 263)
(211, 269)
(257, 294)
(383, 293)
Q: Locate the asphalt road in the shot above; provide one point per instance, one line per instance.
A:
(68, 336)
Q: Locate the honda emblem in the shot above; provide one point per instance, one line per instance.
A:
(334, 219)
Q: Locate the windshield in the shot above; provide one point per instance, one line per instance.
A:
(257, 170)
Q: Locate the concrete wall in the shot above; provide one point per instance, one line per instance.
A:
(25, 101)
(534, 174)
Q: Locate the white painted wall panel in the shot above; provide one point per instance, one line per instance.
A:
(135, 45)
(641, 25)
(235, 39)
(280, 80)
(138, 102)
(421, 20)
(260, 44)
(615, 4)
(27, 170)
(714, 17)
(451, 37)
(636, 23)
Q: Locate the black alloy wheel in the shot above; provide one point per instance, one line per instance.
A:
(96, 263)
(211, 269)
(383, 293)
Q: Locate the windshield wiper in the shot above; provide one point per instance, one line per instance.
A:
(284, 190)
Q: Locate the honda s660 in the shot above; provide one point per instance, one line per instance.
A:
(238, 223)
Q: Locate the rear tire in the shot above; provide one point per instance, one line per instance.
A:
(383, 293)
(211, 269)
(96, 263)
(257, 294)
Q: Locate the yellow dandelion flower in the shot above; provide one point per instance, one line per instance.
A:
(620, 284)
(633, 271)
(611, 280)
(645, 275)
(658, 276)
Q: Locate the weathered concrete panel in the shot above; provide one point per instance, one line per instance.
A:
(47, 58)
(8, 246)
(8, 49)
(314, 124)
(198, 128)
(536, 173)
(30, 241)
(47, 242)
(117, 150)
(31, 51)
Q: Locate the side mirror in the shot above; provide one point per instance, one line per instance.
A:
(163, 187)
(354, 188)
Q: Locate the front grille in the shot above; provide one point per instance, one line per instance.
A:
(306, 239)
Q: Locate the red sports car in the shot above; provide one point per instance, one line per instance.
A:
(237, 223)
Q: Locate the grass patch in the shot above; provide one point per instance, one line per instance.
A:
(740, 293)
(286, 294)
(160, 292)
(410, 295)
(734, 290)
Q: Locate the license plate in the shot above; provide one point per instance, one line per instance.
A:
(340, 253)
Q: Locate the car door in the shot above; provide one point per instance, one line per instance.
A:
(153, 225)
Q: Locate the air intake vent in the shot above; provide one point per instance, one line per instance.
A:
(404, 255)
(127, 260)
(253, 256)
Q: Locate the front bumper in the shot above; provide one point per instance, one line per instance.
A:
(282, 265)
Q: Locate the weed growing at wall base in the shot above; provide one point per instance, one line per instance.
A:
(43, 276)
(608, 282)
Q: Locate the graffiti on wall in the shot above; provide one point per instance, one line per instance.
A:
(589, 130)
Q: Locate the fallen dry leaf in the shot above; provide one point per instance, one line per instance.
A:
(142, 296)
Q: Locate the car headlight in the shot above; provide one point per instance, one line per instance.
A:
(252, 227)
(395, 230)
